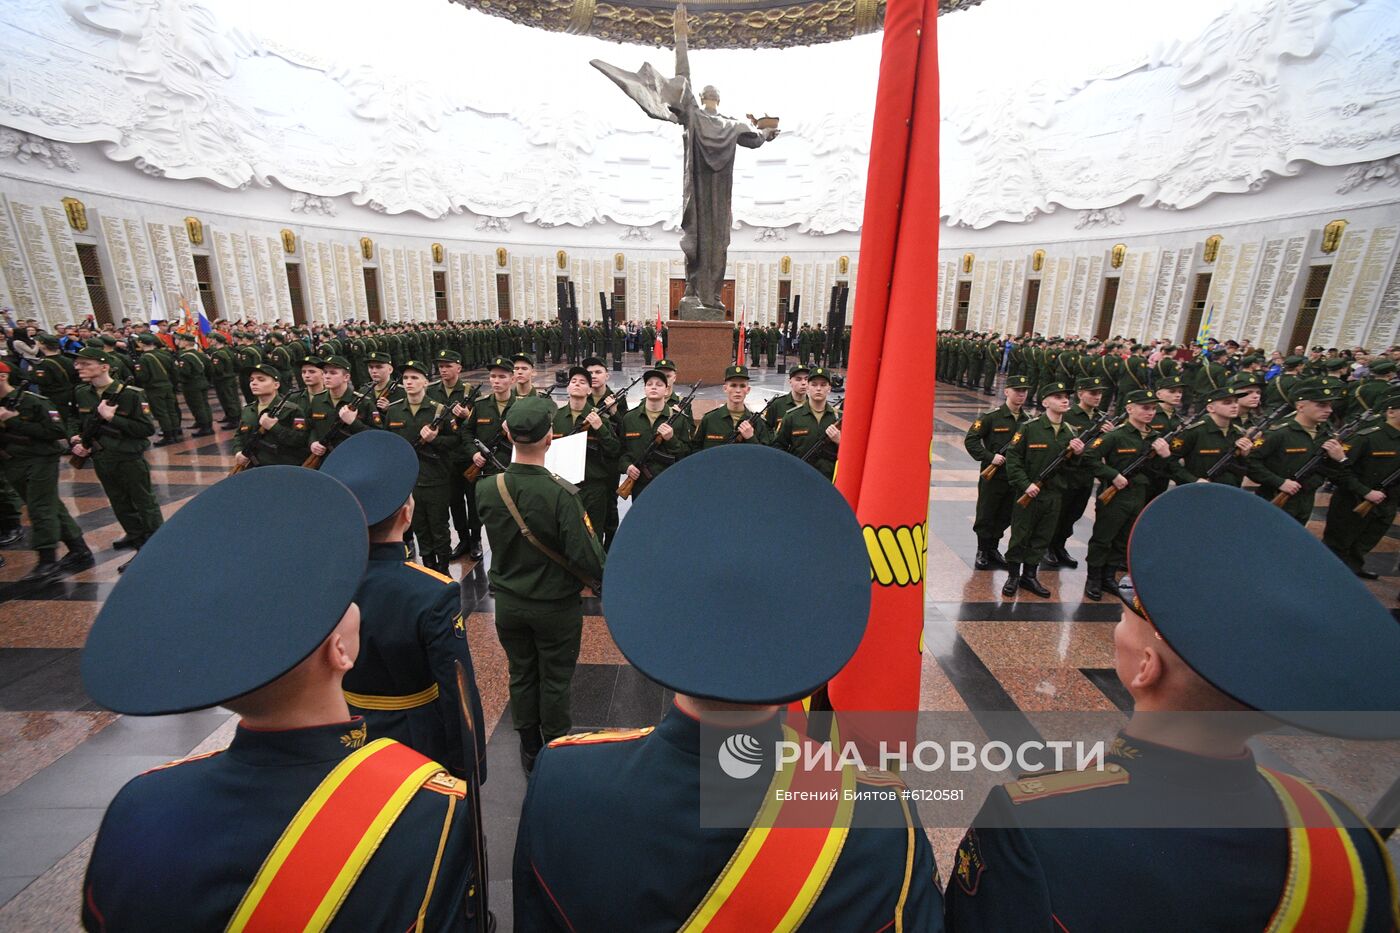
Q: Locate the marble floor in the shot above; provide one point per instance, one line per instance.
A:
(65, 758)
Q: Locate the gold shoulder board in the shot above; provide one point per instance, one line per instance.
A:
(1040, 786)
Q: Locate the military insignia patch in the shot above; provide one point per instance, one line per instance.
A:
(1016, 438)
(299, 424)
(977, 425)
(1178, 443)
(459, 626)
(589, 525)
(355, 737)
(969, 865)
(1098, 442)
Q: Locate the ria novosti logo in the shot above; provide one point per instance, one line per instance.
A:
(740, 756)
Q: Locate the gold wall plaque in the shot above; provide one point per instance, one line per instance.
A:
(501, 256)
(562, 258)
(786, 265)
(843, 265)
(196, 230)
(1212, 249)
(1038, 260)
(1332, 235)
(366, 247)
(967, 264)
(289, 241)
(1115, 258)
(437, 252)
(619, 262)
(77, 214)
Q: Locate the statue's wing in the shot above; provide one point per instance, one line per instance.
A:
(653, 93)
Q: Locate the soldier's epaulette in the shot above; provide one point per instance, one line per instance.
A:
(1278, 427)
(432, 573)
(1372, 430)
(184, 761)
(446, 784)
(1058, 783)
(602, 736)
(573, 490)
(877, 778)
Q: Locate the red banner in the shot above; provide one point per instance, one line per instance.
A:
(883, 469)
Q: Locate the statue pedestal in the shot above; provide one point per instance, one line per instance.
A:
(701, 350)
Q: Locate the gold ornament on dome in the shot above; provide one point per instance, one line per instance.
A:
(501, 256)
(1332, 235)
(289, 241)
(1212, 249)
(196, 231)
(1117, 255)
(739, 24)
(77, 214)
(366, 247)
(437, 253)
(619, 262)
(967, 263)
(1038, 260)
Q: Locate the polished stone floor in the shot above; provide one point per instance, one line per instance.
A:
(65, 758)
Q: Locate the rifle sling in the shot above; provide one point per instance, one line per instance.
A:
(535, 542)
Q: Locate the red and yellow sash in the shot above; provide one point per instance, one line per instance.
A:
(781, 866)
(307, 875)
(1325, 891)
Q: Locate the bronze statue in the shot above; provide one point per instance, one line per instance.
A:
(710, 141)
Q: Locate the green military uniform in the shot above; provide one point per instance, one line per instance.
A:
(638, 428)
(156, 378)
(284, 444)
(1197, 449)
(249, 357)
(1078, 484)
(1287, 446)
(802, 433)
(458, 489)
(1166, 419)
(539, 615)
(223, 363)
(436, 460)
(118, 455)
(720, 426)
(599, 486)
(1373, 455)
(987, 436)
(1034, 446)
(31, 444)
(55, 378)
(193, 371)
(324, 414)
(1279, 389)
(1134, 374)
(1365, 394)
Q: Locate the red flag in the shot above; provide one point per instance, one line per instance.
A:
(658, 352)
(883, 468)
(740, 358)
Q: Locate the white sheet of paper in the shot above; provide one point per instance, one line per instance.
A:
(565, 456)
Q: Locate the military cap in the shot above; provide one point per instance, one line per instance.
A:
(267, 369)
(379, 467)
(1319, 349)
(1168, 382)
(1085, 383)
(819, 372)
(108, 340)
(379, 358)
(418, 366)
(94, 354)
(48, 340)
(1336, 364)
(1053, 388)
(1018, 382)
(337, 362)
(522, 358)
(653, 372)
(1313, 647)
(1320, 389)
(593, 361)
(1169, 348)
(579, 371)
(799, 368)
(1382, 367)
(739, 653)
(1220, 393)
(1290, 361)
(315, 361)
(1139, 397)
(1243, 382)
(448, 356)
(501, 362)
(149, 340)
(93, 342)
(1390, 399)
(147, 654)
(530, 419)
(736, 371)
(185, 335)
(666, 364)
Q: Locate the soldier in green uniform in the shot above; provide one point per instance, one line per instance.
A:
(648, 342)
(334, 414)
(774, 336)
(192, 370)
(452, 390)
(991, 361)
(1113, 521)
(123, 424)
(116, 352)
(793, 398)
(224, 371)
(600, 393)
(1034, 446)
(1248, 388)
(311, 382)
(1078, 484)
(647, 421)
(812, 431)
(156, 378)
(1291, 443)
(985, 441)
(523, 365)
(536, 577)
(249, 356)
(53, 375)
(1197, 449)
(30, 431)
(281, 359)
(732, 422)
(1365, 394)
(1280, 388)
(1134, 373)
(1373, 456)
(264, 439)
(412, 418)
(599, 486)
(1169, 393)
(804, 344)
(486, 428)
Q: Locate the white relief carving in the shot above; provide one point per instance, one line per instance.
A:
(146, 168)
(1109, 217)
(26, 147)
(770, 235)
(493, 225)
(636, 233)
(313, 204)
(1370, 174)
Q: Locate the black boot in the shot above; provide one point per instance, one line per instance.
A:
(165, 440)
(126, 541)
(460, 550)
(1050, 560)
(46, 568)
(79, 556)
(994, 557)
(1063, 558)
(1029, 582)
(530, 745)
(1008, 589)
(1109, 582)
(203, 430)
(1093, 586)
(982, 561)
(10, 534)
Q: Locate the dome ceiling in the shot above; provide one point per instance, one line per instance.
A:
(714, 24)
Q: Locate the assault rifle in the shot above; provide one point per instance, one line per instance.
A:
(1227, 458)
(1315, 461)
(991, 469)
(11, 403)
(1365, 506)
(821, 444)
(256, 441)
(625, 489)
(1110, 491)
(340, 431)
(1101, 425)
(444, 415)
(91, 428)
(473, 471)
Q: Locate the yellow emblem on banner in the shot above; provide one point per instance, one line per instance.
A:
(898, 556)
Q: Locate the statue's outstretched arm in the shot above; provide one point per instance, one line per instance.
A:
(682, 47)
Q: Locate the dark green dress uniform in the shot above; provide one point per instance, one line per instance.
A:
(1135, 375)
(599, 485)
(720, 426)
(249, 356)
(1373, 455)
(285, 444)
(1033, 447)
(224, 370)
(778, 407)
(539, 614)
(1197, 449)
(1279, 389)
(435, 464)
(638, 428)
(1166, 419)
(55, 378)
(192, 370)
(802, 429)
(457, 487)
(1107, 457)
(156, 378)
(1078, 484)
(31, 442)
(988, 435)
(324, 415)
(1282, 450)
(118, 455)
